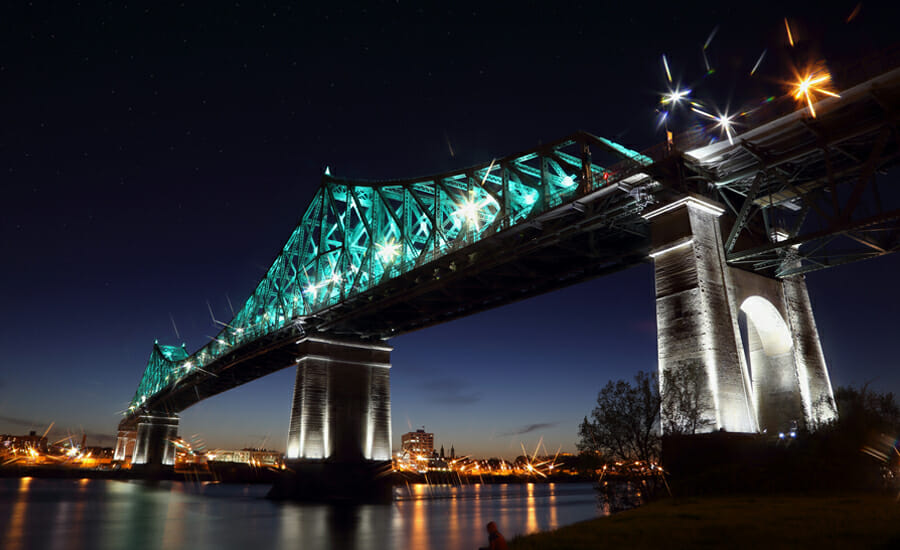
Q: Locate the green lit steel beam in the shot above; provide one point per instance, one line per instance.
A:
(355, 235)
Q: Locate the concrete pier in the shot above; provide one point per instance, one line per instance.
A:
(125, 442)
(704, 307)
(339, 440)
(153, 447)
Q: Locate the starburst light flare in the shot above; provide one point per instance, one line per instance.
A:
(468, 211)
(724, 121)
(810, 84)
(674, 96)
(388, 251)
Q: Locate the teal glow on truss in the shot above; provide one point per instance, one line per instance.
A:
(355, 235)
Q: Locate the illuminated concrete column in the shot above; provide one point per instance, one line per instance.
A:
(815, 384)
(700, 302)
(125, 444)
(696, 321)
(153, 446)
(342, 403)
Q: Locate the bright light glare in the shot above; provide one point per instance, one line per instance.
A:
(812, 83)
(469, 211)
(724, 121)
(674, 96)
(388, 251)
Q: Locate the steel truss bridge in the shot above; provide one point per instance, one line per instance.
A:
(378, 259)
(809, 193)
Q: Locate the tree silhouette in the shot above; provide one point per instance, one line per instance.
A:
(625, 423)
(686, 400)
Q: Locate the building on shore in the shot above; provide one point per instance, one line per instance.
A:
(253, 457)
(419, 443)
(23, 442)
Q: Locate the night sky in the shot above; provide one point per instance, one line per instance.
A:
(154, 159)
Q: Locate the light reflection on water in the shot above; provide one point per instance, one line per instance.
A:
(99, 514)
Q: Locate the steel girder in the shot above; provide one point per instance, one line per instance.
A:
(809, 193)
(356, 237)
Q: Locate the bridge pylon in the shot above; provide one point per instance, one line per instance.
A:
(339, 439)
(753, 337)
(148, 441)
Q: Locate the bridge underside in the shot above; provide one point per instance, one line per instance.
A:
(571, 244)
(564, 248)
(811, 193)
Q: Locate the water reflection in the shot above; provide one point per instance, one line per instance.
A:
(68, 532)
(14, 532)
(173, 531)
(554, 523)
(419, 536)
(97, 514)
(532, 524)
(477, 519)
(453, 517)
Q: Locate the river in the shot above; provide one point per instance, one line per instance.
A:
(102, 514)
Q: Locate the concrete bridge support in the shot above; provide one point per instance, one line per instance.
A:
(342, 401)
(339, 440)
(125, 444)
(754, 338)
(153, 443)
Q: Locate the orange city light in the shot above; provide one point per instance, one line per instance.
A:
(813, 83)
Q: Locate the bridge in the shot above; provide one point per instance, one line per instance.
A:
(731, 227)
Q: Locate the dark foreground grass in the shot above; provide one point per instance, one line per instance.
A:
(843, 521)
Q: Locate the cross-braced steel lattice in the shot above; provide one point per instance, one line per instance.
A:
(355, 236)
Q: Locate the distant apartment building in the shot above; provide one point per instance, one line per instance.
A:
(418, 442)
(253, 457)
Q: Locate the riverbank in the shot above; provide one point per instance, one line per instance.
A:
(235, 472)
(816, 521)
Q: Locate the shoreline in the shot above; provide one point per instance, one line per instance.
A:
(234, 473)
(842, 520)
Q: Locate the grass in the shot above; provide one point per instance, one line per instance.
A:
(841, 521)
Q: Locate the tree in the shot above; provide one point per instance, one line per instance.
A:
(624, 424)
(685, 400)
(858, 448)
(864, 408)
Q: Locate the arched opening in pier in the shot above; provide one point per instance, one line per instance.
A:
(772, 372)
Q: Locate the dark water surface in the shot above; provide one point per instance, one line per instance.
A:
(99, 514)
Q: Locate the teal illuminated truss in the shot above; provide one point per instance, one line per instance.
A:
(354, 236)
